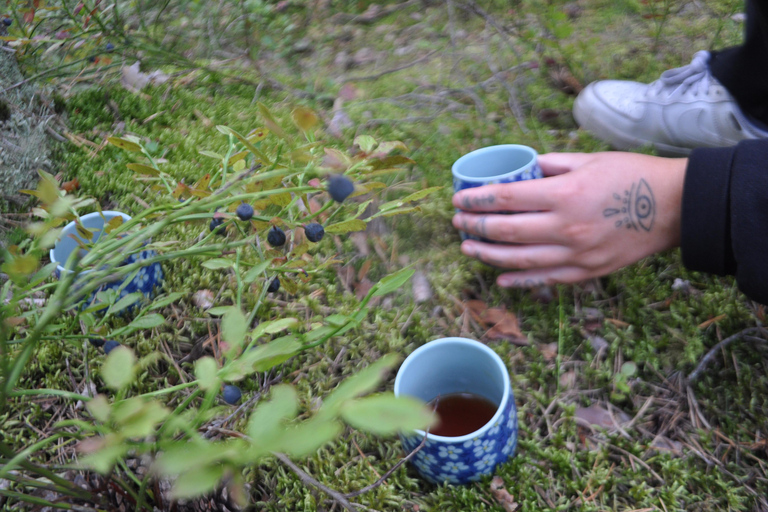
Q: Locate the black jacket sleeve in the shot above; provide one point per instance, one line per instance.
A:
(725, 214)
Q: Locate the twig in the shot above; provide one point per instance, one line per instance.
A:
(714, 350)
(386, 475)
(636, 459)
(393, 70)
(342, 18)
(308, 480)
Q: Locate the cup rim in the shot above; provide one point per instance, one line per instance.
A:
(490, 149)
(430, 345)
(110, 214)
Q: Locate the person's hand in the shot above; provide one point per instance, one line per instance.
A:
(594, 214)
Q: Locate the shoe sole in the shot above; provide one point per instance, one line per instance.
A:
(618, 140)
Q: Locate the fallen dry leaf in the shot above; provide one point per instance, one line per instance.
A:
(568, 379)
(422, 290)
(548, 351)
(502, 324)
(665, 444)
(203, 299)
(134, 80)
(596, 415)
(505, 499)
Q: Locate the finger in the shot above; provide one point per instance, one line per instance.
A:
(508, 197)
(520, 257)
(553, 164)
(520, 228)
(543, 277)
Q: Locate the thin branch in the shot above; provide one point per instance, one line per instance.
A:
(714, 350)
(308, 480)
(386, 475)
(393, 70)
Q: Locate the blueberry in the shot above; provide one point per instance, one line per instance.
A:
(231, 394)
(276, 237)
(216, 226)
(314, 232)
(340, 187)
(244, 211)
(109, 345)
(97, 342)
(110, 47)
(274, 285)
(7, 22)
(91, 59)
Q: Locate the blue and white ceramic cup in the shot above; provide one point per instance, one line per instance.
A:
(459, 365)
(146, 281)
(506, 163)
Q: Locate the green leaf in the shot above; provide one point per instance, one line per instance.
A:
(43, 274)
(99, 408)
(211, 154)
(128, 300)
(142, 421)
(206, 371)
(273, 326)
(218, 263)
(106, 457)
(386, 414)
(306, 438)
(360, 383)
(275, 352)
(147, 321)
(124, 144)
(304, 118)
(270, 121)
(218, 310)
(256, 271)
(346, 226)
(266, 421)
(233, 327)
(399, 211)
(179, 456)
(629, 369)
(421, 194)
(169, 299)
(365, 142)
(393, 282)
(117, 370)
(143, 169)
(197, 481)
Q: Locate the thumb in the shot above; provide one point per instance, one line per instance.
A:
(553, 164)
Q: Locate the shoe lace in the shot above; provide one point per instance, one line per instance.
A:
(695, 76)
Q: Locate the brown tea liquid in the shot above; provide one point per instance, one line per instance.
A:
(460, 414)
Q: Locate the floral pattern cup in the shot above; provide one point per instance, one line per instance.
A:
(459, 365)
(146, 280)
(505, 163)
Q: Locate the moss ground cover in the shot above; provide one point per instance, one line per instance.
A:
(444, 78)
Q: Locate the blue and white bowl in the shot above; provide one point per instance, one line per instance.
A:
(459, 365)
(146, 281)
(505, 163)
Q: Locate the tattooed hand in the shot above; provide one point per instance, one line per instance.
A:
(593, 214)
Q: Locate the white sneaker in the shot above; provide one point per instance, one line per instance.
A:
(686, 108)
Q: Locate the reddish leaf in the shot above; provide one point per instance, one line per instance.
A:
(70, 186)
(29, 16)
(506, 500)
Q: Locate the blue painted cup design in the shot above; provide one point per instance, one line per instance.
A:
(505, 163)
(459, 365)
(146, 281)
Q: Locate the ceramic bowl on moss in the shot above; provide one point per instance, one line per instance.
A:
(146, 281)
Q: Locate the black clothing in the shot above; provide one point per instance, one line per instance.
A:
(725, 197)
(743, 70)
(725, 214)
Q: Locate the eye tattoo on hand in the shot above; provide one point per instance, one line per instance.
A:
(636, 209)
